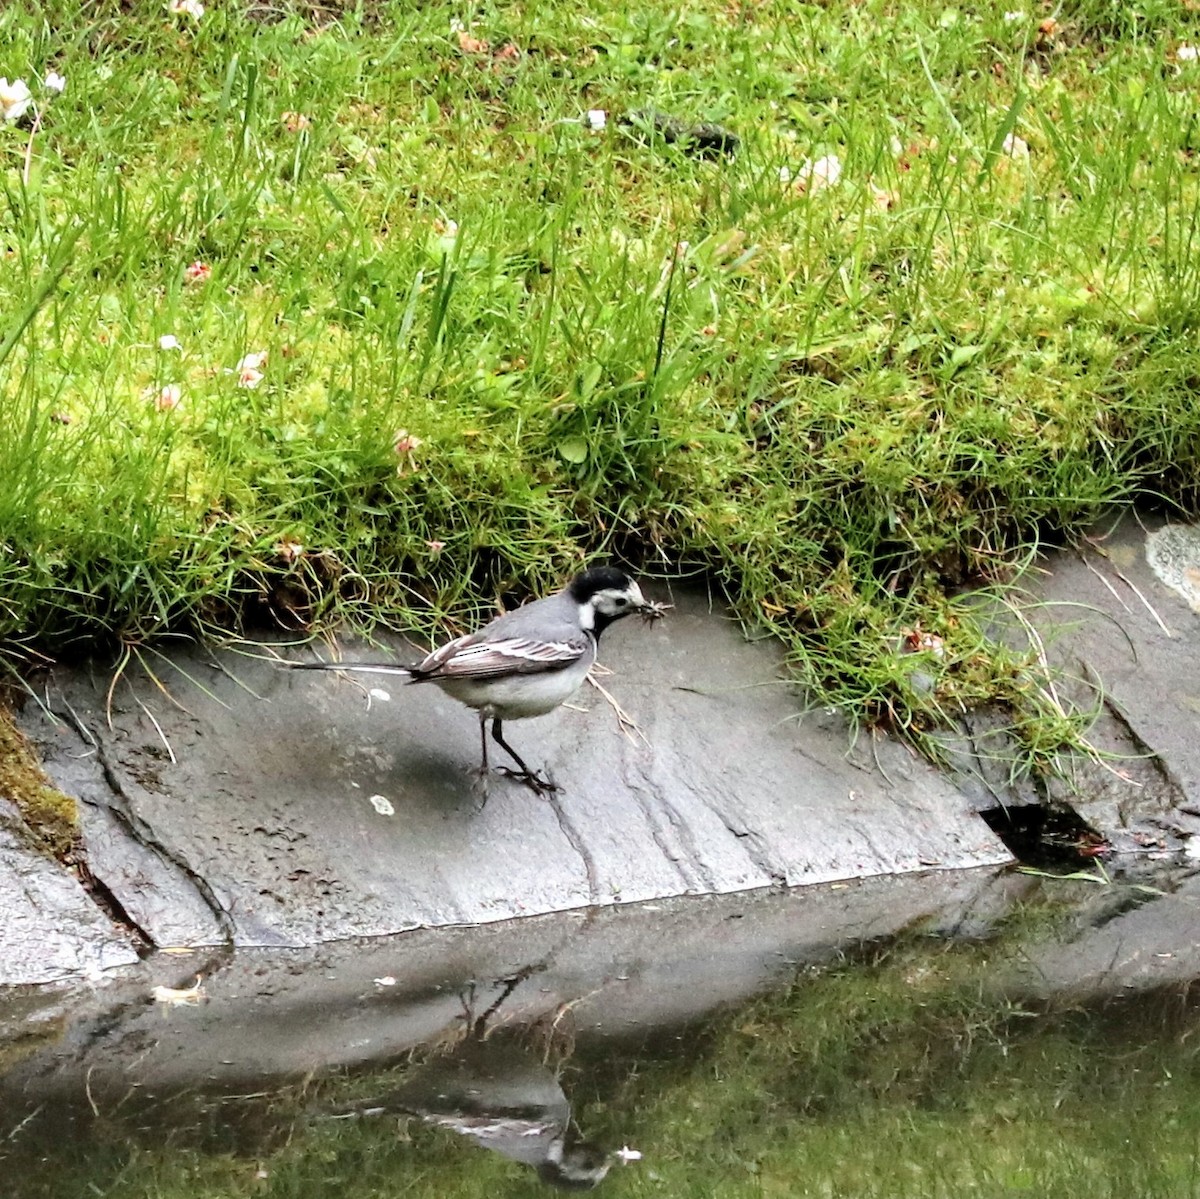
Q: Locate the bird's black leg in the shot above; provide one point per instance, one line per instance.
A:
(534, 781)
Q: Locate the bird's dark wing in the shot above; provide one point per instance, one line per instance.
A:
(476, 657)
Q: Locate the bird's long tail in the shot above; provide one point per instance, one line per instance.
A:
(360, 667)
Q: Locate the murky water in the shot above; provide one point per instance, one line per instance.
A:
(1023, 1062)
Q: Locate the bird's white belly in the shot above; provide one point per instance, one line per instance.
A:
(522, 695)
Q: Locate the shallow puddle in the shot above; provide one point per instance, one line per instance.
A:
(917, 1065)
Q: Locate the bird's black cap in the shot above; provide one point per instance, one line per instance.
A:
(599, 578)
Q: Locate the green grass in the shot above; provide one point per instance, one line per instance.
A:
(904, 1072)
(841, 401)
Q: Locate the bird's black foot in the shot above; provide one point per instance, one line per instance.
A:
(538, 784)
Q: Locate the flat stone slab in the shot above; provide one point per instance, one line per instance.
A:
(1118, 620)
(50, 929)
(274, 1014)
(229, 801)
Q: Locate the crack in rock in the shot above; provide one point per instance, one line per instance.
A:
(577, 844)
(123, 811)
(645, 792)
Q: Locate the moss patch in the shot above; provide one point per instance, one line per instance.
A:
(52, 817)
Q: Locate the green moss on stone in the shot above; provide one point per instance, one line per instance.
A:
(52, 816)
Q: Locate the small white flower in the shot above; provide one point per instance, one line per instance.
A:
(168, 341)
(165, 399)
(1015, 15)
(1015, 147)
(249, 378)
(595, 118)
(1187, 53)
(15, 98)
(456, 26)
(252, 362)
(54, 82)
(813, 176)
(186, 8)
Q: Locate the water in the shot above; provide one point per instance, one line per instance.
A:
(1057, 1054)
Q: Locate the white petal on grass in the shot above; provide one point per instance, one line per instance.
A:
(15, 99)
(595, 118)
(1187, 53)
(382, 805)
(164, 398)
(1015, 14)
(186, 8)
(54, 82)
(814, 176)
(252, 362)
(168, 341)
(1015, 147)
(249, 378)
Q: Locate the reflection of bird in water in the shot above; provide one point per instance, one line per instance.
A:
(505, 1098)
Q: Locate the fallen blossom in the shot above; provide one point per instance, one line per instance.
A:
(186, 8)
(15, 98)
(289, 549)
(174, 997)
(168, 341)
(1187, 53)
(252, 362)
(197, 272)
(469, 44)
(54, 82)
(595, 118)
(814, 176)
(918, 641)
(295, 122)
(435, 547)
(250, 378)
(405, 446)
(1015, 147)
(883, 198)
(165, 398)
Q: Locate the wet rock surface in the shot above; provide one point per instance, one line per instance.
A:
(611, 972)
(1122, 642)
(50, 930)
(229, 801)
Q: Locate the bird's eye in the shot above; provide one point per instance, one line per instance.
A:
(621, 601)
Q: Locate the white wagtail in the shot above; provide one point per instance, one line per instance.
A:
(526, 662)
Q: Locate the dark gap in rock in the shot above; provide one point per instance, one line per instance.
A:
(104, 898)
(1047, 838)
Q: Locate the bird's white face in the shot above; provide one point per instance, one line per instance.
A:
(611, 604)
